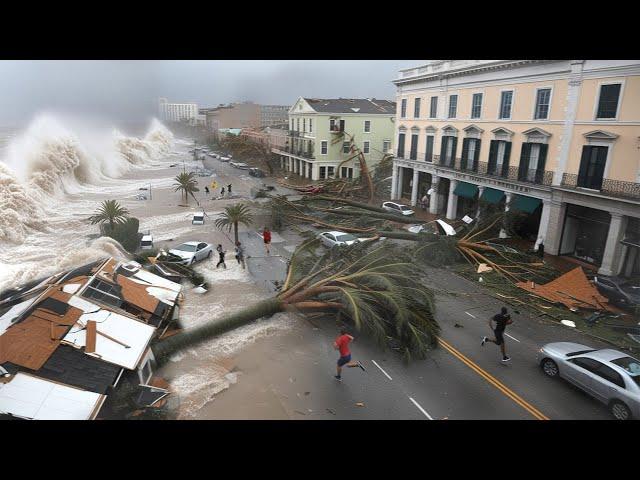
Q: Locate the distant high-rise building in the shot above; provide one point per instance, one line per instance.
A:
(178, 112)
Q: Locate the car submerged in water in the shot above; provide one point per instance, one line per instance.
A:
(192, 252)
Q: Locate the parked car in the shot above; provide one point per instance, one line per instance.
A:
(610, 376)
(146, 243)
(198, 218)
(224, 159)
(439, 227)
(192, 252)
(619, 291)
(335, 238)
(397, 208)
(256, 172)
(240, 165)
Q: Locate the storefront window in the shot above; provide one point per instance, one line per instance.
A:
(584, 234)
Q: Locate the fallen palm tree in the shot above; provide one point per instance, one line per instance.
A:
(374, 286)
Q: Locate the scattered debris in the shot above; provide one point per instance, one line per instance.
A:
(307, 393)
(568, 323)
(457, 325)
(200, 289)
(298, 411)
(232, 377)
(483, 267)
(359, 404)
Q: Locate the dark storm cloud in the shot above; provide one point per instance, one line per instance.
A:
(128, 90)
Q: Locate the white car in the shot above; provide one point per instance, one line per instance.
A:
(198, 218)
(240, 165)
(192, 252)
(441, 228)
(331, 239)
(397, 208)
(146, 243)
(224, 159)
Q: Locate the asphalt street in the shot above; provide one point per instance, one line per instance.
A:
(459, 380)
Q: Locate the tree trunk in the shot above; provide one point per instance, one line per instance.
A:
(365, 206)
(235, 231)
(195, 336)
(383, 216)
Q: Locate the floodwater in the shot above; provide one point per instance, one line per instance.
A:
(54, 174)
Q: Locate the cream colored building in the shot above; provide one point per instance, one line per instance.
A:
(557, 139)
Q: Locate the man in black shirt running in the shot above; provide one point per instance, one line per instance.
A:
(502, 319)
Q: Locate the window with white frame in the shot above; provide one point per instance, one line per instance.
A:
(403, 108)
(346, 147)
(608, 100)
(433, 109)
(543, 100)
(332, 124)
(367, 126)
(323, 147)
(365, 147)
(298, 124)
(386, 145)
(304, 124)
(292, 124)
(311, 125)
(506, 99)
(476, 105)
(453, 106)
(500, 156)
(416, 108)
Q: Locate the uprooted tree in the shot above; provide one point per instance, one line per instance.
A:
(249, 149)
(372, 285)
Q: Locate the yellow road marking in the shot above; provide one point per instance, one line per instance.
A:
(494, 381)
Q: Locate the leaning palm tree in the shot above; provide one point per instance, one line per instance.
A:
(234, 215)
(187, 184)
(378, 288)
(110, 211)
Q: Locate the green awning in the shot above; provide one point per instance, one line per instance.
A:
(525, 204)
(467, 190)
(491, 195)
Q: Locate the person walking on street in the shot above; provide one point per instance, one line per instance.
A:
(206, 190)
(342, 345)
(502, 319)
(222, 192)
(425, 202)
(240, 254)
(229, 189)
(221, 254)
(266, 236)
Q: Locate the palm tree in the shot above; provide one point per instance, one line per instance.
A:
(110, 211)
(232, 216)
(379, 289)
(188, 184)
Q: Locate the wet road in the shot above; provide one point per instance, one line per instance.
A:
(459, 380)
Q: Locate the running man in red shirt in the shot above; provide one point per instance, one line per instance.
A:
(266, 236)
(342, 344)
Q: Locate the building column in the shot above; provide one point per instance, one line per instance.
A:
(480, 190)
(452, 203)
(557, 211)
(433, 198)
(414, 188)
(544, 224)
(509, 196)
(394, 182)
(613, 248)
(399, 187)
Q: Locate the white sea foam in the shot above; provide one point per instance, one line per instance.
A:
(49, 160)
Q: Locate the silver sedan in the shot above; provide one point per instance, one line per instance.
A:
(610, 376)
(332, 239)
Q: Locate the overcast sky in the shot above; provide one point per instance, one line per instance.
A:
(128, 90)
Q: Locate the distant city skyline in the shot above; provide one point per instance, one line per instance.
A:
(129, 90)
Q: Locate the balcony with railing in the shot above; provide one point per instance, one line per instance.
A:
(512, 173)
(609, 187)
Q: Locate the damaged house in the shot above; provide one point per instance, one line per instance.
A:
(66, 341)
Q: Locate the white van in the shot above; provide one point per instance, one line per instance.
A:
(146, 243)
(198, 219)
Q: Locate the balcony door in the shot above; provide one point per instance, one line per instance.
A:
(470, 154)
(533, 157)
(448, 151)
(592, 165)
(413, 154)
(401, 145)
(428, 157)
(499, 153)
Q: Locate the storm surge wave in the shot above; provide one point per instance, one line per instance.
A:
(50, 160)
